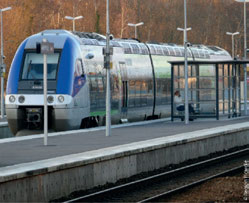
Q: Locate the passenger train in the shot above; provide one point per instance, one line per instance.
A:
(140, 80)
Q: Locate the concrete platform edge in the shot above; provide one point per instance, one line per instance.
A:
(60, 163)
(89, 169)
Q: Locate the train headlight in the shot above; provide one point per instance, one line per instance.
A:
(61, 99)
(12, 99)
(50, 99)
(21, 99)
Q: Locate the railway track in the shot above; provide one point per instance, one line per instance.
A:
(167, 194)
(166, 184)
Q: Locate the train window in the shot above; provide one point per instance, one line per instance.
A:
(159, 50)
(178, 53)
(132, 93)
(171, 51)
(94, 84)
(166, 91)
(135, 49)
(100, 84)
(138, 93)
(144, 94)
(33, 66)
(88, 42)
(79, 71)
(152, 49)
(143, 49)
(115, 44)
(127, 48)
(166, 51)
(95, 42)
(150, 87)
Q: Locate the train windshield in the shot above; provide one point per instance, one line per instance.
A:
(33, 66)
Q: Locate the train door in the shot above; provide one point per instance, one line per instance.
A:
(124, 88)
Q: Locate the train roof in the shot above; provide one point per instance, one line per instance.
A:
(134, 46)
(130, 46)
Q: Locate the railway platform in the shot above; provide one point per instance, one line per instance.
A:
(83, 159)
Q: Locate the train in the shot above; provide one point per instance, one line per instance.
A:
(140, 80)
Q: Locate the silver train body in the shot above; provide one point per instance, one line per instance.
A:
(140, 80)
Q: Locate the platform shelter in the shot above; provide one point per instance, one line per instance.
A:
(214, 88)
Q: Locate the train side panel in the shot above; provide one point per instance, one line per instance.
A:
(140, 86)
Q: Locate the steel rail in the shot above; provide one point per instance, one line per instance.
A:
(188, 168)
(190, 185)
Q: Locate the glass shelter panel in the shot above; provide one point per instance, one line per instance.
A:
(202, 87)
(213, 88)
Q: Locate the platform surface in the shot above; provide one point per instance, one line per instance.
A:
(30, 148)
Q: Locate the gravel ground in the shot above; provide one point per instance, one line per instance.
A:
(224, 189)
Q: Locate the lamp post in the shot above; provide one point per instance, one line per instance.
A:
(73, 19)
(245, 49)
(3, 66)
(135, 26)
(185, 30)
(232, 34)
(107, 66)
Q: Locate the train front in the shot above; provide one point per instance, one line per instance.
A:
(24, 94)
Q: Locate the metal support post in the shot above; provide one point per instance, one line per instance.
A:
(245, 89)
(172, 91)
(198, 87)
(45, 49)
(186, 84)
(239, 90)
(223, 90)
(107, 64)
(2, 73)
(186, 64)
(217, 91)
(245, 69)
(45, 99)
(229, 90)
(235, 91)
(233, 47)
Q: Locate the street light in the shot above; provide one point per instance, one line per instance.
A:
(185, 30)
(73, 19)
(232, 34)
(135, 25)
(182, 29)
(3, 66)
(245, 48)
